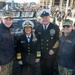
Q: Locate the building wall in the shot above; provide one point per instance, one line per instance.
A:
(57, 3)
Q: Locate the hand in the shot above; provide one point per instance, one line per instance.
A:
(0, 68)
(51, 52)
(20, 62)
(37, 60)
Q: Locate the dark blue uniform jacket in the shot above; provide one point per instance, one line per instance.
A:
(66, 54)
(6, 45)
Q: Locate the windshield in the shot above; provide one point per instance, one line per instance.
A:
(27, 14)
(16, 14)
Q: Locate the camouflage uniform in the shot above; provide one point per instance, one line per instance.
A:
(7, 51)
(64, 71)
(6, 69)
(66, 51)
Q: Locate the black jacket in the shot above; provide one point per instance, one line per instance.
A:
(27, 50)
(66, 53)
(6, 45)
(48, 38)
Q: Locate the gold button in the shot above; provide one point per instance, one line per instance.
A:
(47, 44)
(28, 50)
(28, 47)
(41, 43)
(51, 37)
(28, 53)
(41, 47)
(41, 39)
(47, 48)
(28, 44)
(47, 40)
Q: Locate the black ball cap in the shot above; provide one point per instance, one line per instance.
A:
(44, 14)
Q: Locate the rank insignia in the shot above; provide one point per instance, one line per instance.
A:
(18, 55)
(38, 53)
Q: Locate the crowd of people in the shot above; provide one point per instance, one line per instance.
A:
(44, 50)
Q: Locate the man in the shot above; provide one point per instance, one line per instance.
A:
(48, 34)
(6, 44)
(66, 53)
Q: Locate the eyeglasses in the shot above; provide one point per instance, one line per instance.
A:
(66, 26)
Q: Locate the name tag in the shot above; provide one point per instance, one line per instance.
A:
(39, 33)
(22, 41)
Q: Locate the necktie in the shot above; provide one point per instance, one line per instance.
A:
(45, 27)
(28, 39)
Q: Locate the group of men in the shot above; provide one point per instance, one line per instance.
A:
(48, 37)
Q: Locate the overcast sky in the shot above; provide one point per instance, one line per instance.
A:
(22, 1)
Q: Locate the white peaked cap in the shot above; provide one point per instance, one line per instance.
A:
(27, 21)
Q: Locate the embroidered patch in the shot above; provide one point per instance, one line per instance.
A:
(52, 32)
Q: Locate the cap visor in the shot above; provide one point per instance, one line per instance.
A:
(7, 17)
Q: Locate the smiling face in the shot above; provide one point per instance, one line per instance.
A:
(28, 30)
(67, 29)
(45, 20)
(7, 21)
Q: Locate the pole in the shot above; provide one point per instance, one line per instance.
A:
(71, 3)
(43, 4)
(61, 1)
(46, 4)
(12, 4)
(50, 4)
(67, 3)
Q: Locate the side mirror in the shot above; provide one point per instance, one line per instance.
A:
(2, 4)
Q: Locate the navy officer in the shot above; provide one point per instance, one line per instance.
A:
(48, 34)
(28, 52)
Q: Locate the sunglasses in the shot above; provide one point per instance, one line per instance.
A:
(66, 26)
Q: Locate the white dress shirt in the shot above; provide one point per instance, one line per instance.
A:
(28, 37)
(45, 26)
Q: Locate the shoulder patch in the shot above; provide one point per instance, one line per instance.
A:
(52, 32)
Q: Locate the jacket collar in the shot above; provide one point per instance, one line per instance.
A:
(4, 27)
